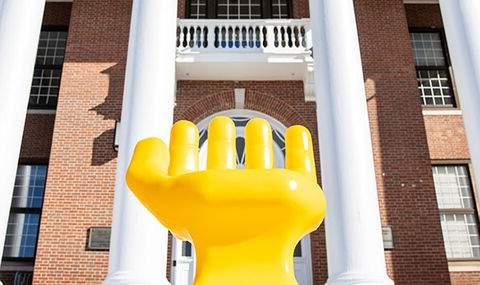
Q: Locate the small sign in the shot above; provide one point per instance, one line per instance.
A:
(387, 237)
(99, 238)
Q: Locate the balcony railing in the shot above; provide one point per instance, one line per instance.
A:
(290, 36)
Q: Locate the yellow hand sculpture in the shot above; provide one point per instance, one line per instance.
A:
(243, 223)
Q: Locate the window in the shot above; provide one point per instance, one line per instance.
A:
(458, 213)
(280, 9)
(197, 9)
(433, 76)
(22, 229)
(48, 68)
(238, 9)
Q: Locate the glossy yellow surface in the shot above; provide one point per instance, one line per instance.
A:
(243, 223)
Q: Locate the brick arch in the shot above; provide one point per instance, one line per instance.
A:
(208, 105)
(255, 101)
(274, 107)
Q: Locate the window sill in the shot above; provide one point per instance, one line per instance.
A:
(41, 111)
(16, 266)
(464, 265)
(441, 112)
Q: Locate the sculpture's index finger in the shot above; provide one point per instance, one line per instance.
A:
(183, 148)
(221, 151)
(299, 151)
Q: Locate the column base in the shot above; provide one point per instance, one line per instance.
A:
(358, 278)
(126, 278)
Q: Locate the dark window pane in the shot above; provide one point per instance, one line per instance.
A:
(197, 9)
(44, 90)
(280, 9)
(435, 83)
(239, 9)
(51, 47)
(298, 250)
(186, 248)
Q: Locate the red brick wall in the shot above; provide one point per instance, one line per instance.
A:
(301, 9)
(80, 181)
(465, 278)
(57, 14)
(423, 16)
(403, 172)
(446, 138)
(37, 138)
(283, 100)
(181, 9)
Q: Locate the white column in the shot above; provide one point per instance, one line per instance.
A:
(353, 228)
(20, 23)
(461, 19)
(138, 249)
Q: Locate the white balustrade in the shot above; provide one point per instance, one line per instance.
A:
(257, 36)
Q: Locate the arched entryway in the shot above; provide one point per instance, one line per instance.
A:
(183, 255)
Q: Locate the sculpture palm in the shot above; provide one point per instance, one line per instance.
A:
(243, 223)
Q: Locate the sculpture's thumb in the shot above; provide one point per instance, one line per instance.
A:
(148, 168)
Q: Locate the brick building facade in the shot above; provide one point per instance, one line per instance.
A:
(412, 141)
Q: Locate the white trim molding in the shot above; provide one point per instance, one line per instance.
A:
(463, 265)
(442, 112)
(42, 112)
(420, 1)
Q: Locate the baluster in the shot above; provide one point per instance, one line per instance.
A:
(244, 37)
(205, 37)
(191, 42)
(179, 33)
(289, 37)
(199, 37)
(224, 37)
(216, 36)
(185, 37)
(193, 32)
(296, 37)
(250, 37)
(258, 36)
(277, 37)
(282, 35)
(237, 38)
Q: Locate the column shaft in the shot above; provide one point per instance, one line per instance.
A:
(353, 228)
(461, 19)
(138, 250)
(20, 23)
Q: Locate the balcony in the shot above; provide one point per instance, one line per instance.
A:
(245, 50)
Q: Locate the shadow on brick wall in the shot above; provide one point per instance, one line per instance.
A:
(110, 109)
